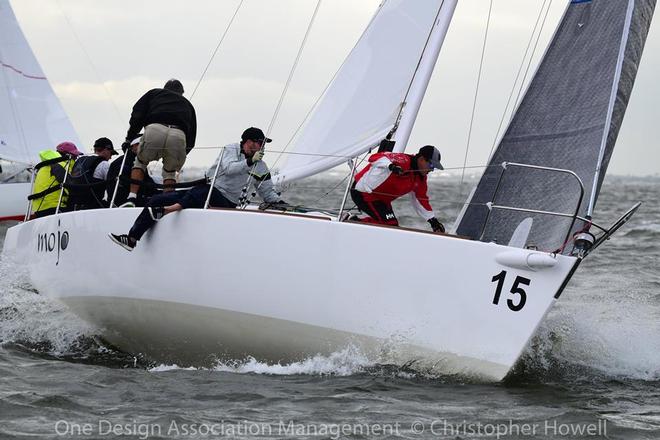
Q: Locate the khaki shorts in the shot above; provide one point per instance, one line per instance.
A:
(162, 142)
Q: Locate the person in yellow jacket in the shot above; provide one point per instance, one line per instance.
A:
(51, 176)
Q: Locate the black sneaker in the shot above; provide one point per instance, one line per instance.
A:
(156, 212)
(129, 203)
(124, 241)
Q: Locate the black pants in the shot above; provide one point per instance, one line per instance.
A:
(193, 198)
(380, 211)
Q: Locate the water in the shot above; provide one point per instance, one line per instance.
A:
(592, 370)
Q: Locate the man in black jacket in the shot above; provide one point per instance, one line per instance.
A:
(170, 125)
(91, 170)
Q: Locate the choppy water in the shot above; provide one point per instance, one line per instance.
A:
(592, 371)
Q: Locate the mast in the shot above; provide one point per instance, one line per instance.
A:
(420, 81)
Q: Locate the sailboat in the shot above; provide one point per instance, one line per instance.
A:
(462, 304)
(31, 116)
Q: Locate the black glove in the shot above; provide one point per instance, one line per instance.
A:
(396, 169)
(125, 146)
(436, 225)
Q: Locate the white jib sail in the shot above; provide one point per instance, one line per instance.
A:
(362, 103)
(31, 116)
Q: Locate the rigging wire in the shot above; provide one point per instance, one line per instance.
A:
(520, 69)
(287, 84)
(538, 38)
(325, 89)
(522, 63)
(414, 75)
(293, 69)
(341, 182)
(217, 47)
(91, 63)
(476, 91)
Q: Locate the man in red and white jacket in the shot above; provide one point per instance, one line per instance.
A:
(390, 176)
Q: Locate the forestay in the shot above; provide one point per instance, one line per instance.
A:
(569, 118)
(362, 103)
(31, 116)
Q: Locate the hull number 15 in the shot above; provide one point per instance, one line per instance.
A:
(516, 290)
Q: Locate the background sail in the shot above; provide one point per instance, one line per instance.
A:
(569, 118)
(31, 116)
(361, 104)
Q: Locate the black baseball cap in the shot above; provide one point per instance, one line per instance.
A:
(104, 143)
(255, 134)
(432, 155)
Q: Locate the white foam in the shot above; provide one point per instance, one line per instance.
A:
(346, 362)
(618, 338)
(33, 318)
(163, 368)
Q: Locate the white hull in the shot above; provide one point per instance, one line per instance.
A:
(13, 200)
(229, 283)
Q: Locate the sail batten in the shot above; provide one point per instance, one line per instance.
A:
(569, 118)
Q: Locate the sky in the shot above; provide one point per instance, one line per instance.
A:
(101, 56)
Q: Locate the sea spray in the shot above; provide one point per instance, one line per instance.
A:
(26, 316)
(346, 362)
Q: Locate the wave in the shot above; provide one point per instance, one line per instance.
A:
(37, 325)
(26, 316)
(643, 232)
(606, 342)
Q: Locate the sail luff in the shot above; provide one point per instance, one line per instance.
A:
(638, 32)
(608, 121)
(423, 74)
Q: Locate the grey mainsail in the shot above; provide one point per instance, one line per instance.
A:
(569, 119)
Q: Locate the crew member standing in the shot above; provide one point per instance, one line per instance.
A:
(390, 176)
(170, 128)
